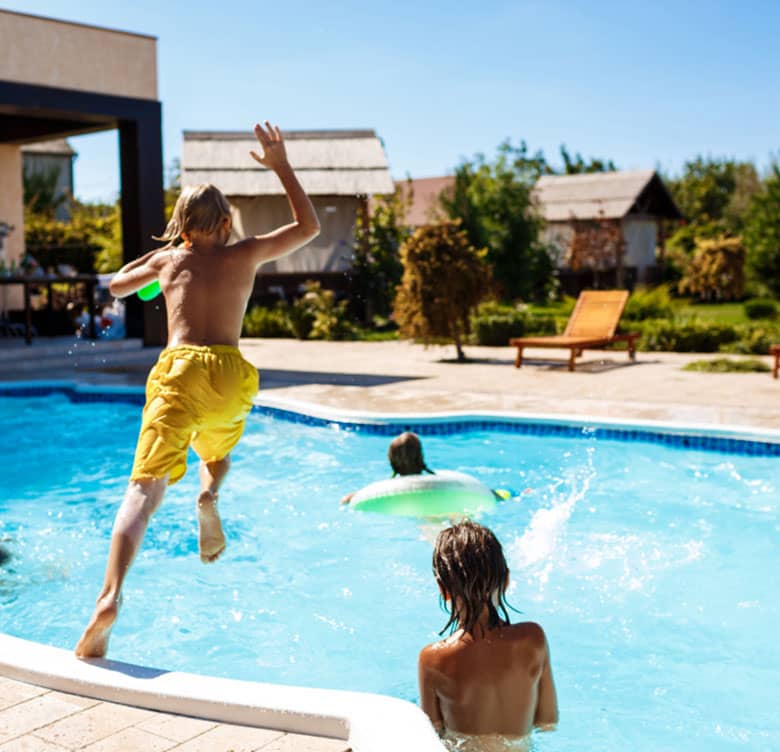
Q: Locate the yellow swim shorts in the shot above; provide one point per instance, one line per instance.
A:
(198, 396)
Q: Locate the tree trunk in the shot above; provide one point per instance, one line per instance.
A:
(459, 347)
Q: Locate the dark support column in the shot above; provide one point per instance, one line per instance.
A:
(143, 212)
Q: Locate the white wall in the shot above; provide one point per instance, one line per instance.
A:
(329, 252)
(641, 236)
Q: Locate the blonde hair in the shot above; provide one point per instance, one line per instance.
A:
(199, 208)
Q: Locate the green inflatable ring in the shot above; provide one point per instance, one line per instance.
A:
(445, 494)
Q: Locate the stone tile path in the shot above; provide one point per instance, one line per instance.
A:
(33, 719)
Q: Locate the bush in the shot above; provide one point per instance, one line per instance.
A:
(760, 308)
(444, 280)
(754, 340)
(685, 336)
(494, 325)
(716, 271)
(728, 365)
(266, 322)
(329, 319)
(649, 303)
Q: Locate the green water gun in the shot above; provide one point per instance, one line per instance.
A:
(152, 290)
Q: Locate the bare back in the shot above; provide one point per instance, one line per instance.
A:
(495, 684)
(206, 292)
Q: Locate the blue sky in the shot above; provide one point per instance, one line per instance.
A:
(645, 84)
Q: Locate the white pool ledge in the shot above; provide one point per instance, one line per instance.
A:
(368, 722)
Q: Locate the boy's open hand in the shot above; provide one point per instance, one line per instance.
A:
(274, 153)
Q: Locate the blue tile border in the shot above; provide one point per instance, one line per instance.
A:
(703, 442)
(439, 427)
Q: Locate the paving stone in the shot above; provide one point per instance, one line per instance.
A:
(33, 714)
(13, 692)
(82, 702)
(302, 743)
(31, 743)
(92, 724)
(131, 740)
(228, 738)
(178, 728)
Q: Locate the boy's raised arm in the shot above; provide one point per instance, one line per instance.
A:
(305, 224)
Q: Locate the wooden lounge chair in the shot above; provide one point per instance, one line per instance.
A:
(775, 350)
(591, 326)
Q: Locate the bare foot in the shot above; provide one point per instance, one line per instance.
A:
(212, 539)
(94, 641)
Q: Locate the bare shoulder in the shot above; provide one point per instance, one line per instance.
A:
(528, 631)
(432, 654)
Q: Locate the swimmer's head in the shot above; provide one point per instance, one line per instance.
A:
(406, 455)
(472, 574)
(200, 210)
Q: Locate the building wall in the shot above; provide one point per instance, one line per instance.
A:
(42, 164)
(12, 212)
(641, 237)
(331, 251)
(66, 55)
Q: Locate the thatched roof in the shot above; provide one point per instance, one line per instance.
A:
(604, 195)
(328, 163)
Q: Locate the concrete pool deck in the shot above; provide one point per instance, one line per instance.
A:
(403, 377)
(389, 377)
(33, 719)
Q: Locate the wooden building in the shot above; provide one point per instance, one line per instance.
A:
(603, 228)
(339, 169)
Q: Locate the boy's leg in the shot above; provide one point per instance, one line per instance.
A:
(140, 503)
(212, 539)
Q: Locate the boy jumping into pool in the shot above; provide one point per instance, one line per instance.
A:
(200, 391)
(488, 676)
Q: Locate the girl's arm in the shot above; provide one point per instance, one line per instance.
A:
(429, 700)
(546, 715)
(137, 274)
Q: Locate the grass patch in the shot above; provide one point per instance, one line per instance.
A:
(728, 365)
(372, 335)
(715, 313)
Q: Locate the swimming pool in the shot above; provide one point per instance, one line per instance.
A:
(651, 567)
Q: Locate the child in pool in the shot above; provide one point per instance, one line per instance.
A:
(489, 676)
(201, 389)
(406, 458)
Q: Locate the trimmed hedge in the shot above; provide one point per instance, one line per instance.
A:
(760, 308)
(494, 325)
(685, 336)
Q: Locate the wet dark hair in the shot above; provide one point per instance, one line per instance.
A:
(469, 565)
(406, 455)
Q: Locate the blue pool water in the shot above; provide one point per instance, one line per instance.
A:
(651, 568)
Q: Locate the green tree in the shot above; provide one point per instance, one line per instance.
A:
(576, 165)
(762, 233)
(715, 191)
(377, 267)
(494, 203)
(444, 279)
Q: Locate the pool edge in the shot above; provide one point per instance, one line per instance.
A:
(367, 722)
